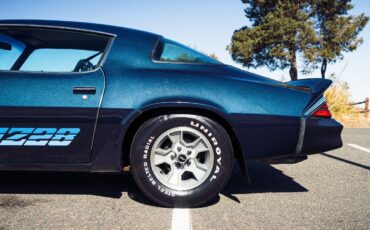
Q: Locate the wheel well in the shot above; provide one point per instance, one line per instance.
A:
(135, 125)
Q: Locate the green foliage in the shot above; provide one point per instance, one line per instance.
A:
(282, 29)
(338, 32)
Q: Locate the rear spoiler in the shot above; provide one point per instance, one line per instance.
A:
(315, 86)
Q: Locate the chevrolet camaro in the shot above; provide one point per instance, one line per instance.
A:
(98, 98)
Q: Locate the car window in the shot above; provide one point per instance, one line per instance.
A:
(58, 60)
(175, 52)
(9, 57)
(51, 50)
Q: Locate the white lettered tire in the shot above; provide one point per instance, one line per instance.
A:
(181, 160)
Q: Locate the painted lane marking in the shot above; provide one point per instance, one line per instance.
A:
(181, 219)
(359, 147)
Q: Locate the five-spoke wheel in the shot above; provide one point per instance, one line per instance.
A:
(181, 159)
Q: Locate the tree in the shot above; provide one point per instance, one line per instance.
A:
(338, 32)
(214, 56)
(283, 30)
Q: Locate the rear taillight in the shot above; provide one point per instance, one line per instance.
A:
(322, 111)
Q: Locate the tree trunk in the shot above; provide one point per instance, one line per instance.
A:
(293, 66)
(323, 68)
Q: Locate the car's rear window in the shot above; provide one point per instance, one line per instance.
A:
(170, 51)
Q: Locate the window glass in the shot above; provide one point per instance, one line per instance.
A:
(9, 57)
(175, 52)
(61, 60)
(50, 50)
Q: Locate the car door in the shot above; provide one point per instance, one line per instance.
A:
(48, 108)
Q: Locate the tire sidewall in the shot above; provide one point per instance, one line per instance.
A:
(152, 187)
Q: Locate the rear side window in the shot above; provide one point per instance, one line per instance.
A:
(170, 51)
(51, 50)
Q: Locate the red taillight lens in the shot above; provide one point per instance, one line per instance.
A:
(322, 111)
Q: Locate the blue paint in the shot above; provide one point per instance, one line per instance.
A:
(265, 115)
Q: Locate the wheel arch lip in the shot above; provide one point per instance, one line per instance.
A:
(136, 117)
(184, 102)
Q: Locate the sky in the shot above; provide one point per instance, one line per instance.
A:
(206, 25)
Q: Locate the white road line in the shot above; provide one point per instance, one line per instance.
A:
(359, 147)
(181, 219)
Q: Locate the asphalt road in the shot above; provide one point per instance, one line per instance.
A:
(327, 191)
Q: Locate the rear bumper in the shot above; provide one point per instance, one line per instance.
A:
(274, 137)
(319, 135)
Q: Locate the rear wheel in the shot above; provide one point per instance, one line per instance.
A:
(181, 160)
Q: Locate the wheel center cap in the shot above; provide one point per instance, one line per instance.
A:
(182, 158)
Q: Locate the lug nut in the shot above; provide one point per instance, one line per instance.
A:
(189, 152)
(179, 149)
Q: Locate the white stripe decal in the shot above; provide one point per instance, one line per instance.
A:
(181, 219)
(359, 147)
(315, 106)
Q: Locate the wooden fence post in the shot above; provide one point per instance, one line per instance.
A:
(366, 107)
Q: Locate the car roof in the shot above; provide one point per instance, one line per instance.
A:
(136, 43)
(93, 27)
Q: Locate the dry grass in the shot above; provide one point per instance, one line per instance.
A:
(354, 121)
(338, 99)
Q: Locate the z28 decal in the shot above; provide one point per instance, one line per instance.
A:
(37, 136)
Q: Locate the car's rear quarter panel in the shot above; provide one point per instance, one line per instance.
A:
(265, 117)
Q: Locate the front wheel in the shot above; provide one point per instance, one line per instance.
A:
(181, 160)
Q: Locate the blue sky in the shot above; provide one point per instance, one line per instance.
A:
(204, 25)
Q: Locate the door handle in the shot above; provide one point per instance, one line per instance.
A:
(84, 90)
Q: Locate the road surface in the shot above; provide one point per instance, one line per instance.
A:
(328, 191)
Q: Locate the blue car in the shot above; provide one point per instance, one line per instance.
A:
(98, 98)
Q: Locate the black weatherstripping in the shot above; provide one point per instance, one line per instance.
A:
(5, 46)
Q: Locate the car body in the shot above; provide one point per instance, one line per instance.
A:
(85, 119)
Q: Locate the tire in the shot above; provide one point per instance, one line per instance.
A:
(181, 160)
